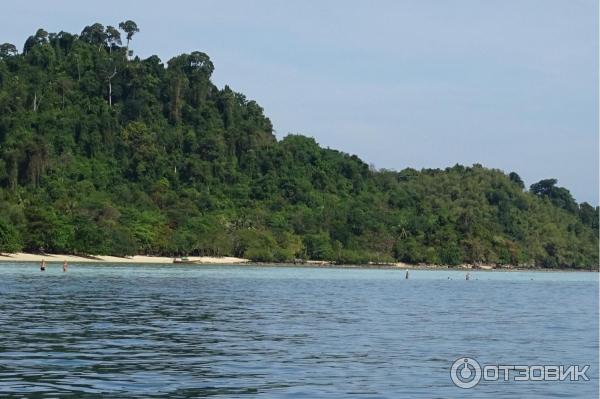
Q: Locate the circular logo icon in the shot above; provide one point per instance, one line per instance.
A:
(465, 372)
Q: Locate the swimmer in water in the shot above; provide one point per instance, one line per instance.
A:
(43, 265)
(468, 276)
(65, 266)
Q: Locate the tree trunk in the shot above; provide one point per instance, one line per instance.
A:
(36, 101)
(78, 69)
(109, 79)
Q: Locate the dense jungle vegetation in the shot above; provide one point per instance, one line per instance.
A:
(102, 152)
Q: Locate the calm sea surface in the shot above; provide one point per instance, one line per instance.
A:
(230, 331)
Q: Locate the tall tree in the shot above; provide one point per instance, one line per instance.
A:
(7, 50)
(131, 28)
(113, 37)
(515, 178)
(95, 34)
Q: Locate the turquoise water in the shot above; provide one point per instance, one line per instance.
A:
(242, 331)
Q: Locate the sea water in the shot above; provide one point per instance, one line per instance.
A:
(104, 330)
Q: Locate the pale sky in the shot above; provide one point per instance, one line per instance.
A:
(510, 84)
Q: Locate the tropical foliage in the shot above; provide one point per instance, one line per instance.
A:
(102, 152)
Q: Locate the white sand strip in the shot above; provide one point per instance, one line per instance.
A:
(25, 257)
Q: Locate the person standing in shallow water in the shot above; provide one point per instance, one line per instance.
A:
(43, 265)
(406, 276)
(65, 266)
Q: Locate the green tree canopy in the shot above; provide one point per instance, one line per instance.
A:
(103, 153)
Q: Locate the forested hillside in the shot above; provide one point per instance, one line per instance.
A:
(102, 152)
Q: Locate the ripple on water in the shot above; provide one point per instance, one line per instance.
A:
(126, 330)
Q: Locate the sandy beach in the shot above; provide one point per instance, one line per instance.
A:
(229, 260)
(26, 257)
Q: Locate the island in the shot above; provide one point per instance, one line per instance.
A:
(103, 152)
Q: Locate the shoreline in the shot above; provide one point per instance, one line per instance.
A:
(405, 266)
(137, 259)
(22, 257)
